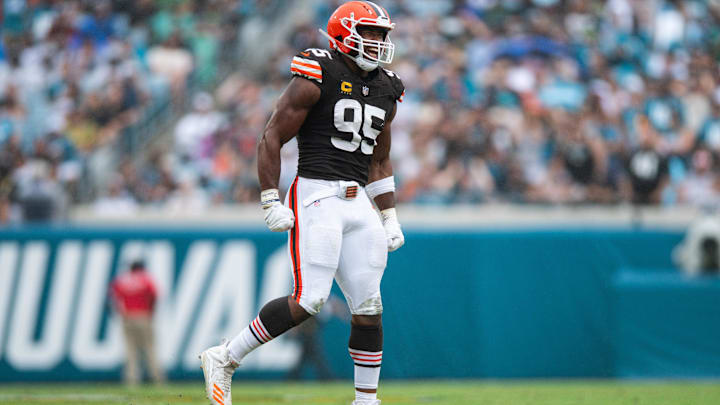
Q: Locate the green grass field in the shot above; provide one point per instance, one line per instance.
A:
(392, 393)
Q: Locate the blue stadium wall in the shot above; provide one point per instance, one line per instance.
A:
(495, 304)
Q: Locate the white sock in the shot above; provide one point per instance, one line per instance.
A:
(365, 396)
(248, 340)
(367, 368)
(366, 378)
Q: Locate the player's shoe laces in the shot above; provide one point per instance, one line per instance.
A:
(373, 402)
(218, 368)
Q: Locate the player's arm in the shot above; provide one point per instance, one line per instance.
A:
(381, 186)
(288, 116)
(381, 167)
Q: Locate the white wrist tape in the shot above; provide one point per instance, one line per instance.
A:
(381, 186)
(269, 196)
(388, 214)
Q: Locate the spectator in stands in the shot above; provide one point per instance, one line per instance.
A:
(81, 74)
(172, 61)
(134, 296)
(700, 186)
(155, 181)
(647, 168)
(189, 198)
(40, 196)
(7, 187)
(709, 134)
(117, 201)
(486, 81)
(193, 133)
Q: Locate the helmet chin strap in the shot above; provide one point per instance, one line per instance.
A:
(362, 63)
(365, 64)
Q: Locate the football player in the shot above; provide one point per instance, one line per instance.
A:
(339, 103)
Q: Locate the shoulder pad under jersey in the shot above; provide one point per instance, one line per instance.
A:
(398, 86)
(308, 64)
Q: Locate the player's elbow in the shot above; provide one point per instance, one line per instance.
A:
(379, 169)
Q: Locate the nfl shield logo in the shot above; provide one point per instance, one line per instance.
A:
(365, 90)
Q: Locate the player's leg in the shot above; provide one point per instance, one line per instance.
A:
(219, 362)
(275, 318)
(313, 265)
(314, 248)
(362, 263)
(365, 347)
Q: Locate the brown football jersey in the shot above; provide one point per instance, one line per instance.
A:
(337, 139)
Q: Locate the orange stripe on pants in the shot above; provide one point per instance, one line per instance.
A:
(294, 243)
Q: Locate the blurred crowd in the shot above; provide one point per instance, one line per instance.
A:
(542, 101)
(77, 80)
(550, 101)
(523, 101)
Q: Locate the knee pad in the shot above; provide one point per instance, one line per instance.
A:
(371, 306)
(315, 293)
(312, 305)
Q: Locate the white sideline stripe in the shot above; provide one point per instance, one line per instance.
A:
(307, 69)
(66, 396)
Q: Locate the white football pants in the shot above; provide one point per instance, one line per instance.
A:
(335, 238)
